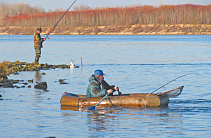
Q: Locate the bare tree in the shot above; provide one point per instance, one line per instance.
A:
(81, 7)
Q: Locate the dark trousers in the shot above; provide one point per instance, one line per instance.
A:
(38, 54)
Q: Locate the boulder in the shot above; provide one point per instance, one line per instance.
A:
(17, 87)
(6, 85)
(30, 81)
(3, 77)
(61, 81)
(41, 85)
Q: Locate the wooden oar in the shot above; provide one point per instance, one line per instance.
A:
(93, 107)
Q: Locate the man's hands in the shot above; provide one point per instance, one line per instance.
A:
(116, 88)
(110, 91)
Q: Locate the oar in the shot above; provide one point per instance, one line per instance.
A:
(93, 107)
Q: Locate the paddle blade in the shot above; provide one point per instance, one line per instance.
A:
(92, 108)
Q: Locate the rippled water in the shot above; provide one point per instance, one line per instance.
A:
(135, 63)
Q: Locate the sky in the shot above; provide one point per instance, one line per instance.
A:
(56, 4)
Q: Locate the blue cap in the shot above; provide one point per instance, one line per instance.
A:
(98, 72)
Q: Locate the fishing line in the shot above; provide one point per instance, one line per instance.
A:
(175, 80)
(59, 20)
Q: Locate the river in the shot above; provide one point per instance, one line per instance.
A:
(135, 63)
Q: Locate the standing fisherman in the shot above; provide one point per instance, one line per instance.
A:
(38, 44)
(38, 40)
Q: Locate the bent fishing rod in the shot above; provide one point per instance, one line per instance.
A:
(59, 20)
(175, 80)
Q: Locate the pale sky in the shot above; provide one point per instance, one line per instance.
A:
(55, 4)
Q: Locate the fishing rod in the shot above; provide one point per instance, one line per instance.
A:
(59, 20)
(175, 80)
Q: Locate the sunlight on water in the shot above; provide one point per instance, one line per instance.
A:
(137, 64)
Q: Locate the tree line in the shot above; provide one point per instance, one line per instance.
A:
(18, 8)
(118, 16)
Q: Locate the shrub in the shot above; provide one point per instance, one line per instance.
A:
(3, 70)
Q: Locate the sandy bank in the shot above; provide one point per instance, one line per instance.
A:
(153, 29)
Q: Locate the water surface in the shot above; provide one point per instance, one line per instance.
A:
(134, 63)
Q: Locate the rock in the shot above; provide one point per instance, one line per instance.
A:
(0, 95)
(29, 86)
(30, 81)
(6, 85)
(41, 85)
(7, 67)
(3, 77)
(24, 83)
(46, 66)
(61, 81)
(16, 73)
(22, 86)
(14, 81)
(17, 87)
(43, 73)
(62, 66)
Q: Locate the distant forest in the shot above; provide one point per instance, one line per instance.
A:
(24, 15)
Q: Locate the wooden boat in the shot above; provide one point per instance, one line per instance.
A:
(124, 100)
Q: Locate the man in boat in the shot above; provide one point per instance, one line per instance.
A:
(98, 87)
(38, 44)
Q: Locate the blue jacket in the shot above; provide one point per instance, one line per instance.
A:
(97, 88)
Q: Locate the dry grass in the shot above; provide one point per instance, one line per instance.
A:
(3, 70)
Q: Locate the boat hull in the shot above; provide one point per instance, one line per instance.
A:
(125, 100)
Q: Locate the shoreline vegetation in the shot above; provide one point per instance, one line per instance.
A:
(150, 29)
(186, 19)
(7, 68)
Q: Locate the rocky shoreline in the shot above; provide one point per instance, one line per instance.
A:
(150, 29)
(15, 67)
(7, 68)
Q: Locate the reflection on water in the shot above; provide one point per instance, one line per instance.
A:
(170, 120)
(37, 76)
(137, 64)
(140, 121)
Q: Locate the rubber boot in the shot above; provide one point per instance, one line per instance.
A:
(37, 59)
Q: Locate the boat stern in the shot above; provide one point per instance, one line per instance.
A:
(157, 101)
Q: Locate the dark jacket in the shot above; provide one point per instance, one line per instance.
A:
(38, 40)
(97, 88)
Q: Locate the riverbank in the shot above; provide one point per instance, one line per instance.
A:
(152, 29)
